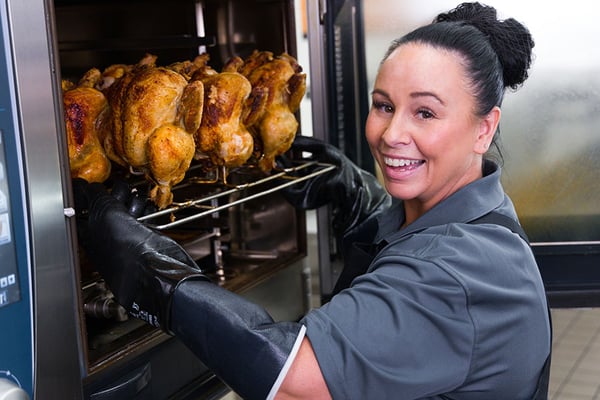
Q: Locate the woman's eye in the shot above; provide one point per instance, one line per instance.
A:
(382, 106)
(425, 114)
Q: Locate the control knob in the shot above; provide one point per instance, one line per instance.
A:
(10, 391)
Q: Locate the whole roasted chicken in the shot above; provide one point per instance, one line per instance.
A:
(282, 81)
(86, 121)
(223, 135)
(155, 111)
(114, 83)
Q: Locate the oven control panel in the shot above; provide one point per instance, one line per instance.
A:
(16, 336)
(16, 308)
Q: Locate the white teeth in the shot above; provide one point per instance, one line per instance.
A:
(400, 162)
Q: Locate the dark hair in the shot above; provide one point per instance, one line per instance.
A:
(497, 53)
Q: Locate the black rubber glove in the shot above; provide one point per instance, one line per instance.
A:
(238, 340)
(141, 267)
(353, 193)
(157, 281)
(137, 204)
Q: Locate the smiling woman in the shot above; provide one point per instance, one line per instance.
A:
(422, 129)
(551, 150)
(433, 276)
(559, 100)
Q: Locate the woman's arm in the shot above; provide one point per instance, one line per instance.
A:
(304, 379)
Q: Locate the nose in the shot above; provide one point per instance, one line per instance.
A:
(397, 131)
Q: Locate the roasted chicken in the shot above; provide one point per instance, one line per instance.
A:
(188, 68)
(86, 120)
(115, 72)
(223, 135)
(170, 150)
(154, 120)
(154, 114)
(284, 84)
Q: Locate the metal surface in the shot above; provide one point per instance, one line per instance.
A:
(57, 362)
(315, 14)
(346, 77)
(315, 11)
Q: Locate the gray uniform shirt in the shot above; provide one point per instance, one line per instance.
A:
(445, 310)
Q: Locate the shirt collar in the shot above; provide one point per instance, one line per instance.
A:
(466, 204)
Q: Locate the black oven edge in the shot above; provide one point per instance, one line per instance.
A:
(571, 273)
(168, 371)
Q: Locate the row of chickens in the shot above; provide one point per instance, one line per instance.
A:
(155, 120)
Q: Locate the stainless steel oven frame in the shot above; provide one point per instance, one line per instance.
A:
(61, 367)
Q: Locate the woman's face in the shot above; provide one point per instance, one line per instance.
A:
(422, 127)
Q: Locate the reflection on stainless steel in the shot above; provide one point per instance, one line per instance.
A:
(285, 175)
(567, 244)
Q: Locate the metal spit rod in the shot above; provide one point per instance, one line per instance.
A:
(211, 209)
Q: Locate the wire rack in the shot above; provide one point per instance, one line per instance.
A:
(179, 212)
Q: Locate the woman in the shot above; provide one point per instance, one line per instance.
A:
(444, 304)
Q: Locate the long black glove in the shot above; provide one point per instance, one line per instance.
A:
(157, 281)
(354, 194)
(141, 267)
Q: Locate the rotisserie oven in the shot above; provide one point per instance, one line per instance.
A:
(183, 107)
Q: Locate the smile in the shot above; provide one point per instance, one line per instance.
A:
(401, 162)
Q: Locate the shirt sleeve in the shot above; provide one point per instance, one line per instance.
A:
(402, 330)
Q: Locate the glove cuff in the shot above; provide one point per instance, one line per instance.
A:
(164, 323)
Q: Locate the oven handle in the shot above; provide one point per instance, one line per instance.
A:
(126, 388)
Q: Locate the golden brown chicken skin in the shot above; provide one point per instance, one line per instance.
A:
(223, 135)
(86, 117)
(154, 112)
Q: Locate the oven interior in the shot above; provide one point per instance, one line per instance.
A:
(237, 225)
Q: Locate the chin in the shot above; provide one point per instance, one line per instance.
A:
(399, 191)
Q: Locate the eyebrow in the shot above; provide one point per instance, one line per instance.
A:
(428, 94)
(413, 95)
(381, 92)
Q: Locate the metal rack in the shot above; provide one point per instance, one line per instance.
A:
(129, 44)
(208, 205)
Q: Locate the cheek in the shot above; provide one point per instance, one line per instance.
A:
(439, 140)
(372, 130)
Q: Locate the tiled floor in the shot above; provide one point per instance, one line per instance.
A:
(575, 372)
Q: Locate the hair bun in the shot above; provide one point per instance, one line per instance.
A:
(510, 39)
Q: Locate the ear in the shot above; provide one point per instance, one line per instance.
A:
(487, 129)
